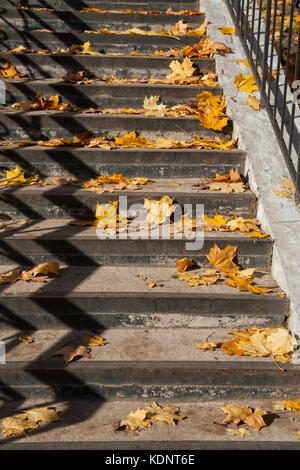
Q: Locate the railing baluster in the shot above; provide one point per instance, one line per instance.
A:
(274, 93)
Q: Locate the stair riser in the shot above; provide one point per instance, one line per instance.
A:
(125, 252)
(146, 311)
(81, 21)
(110, 43)
(45, 65)
(83, 205)
(111, 381)
(115, 5)
(54, 125)
(106, 96)
(86, 164)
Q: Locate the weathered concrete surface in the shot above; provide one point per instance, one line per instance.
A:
(89, 424)
(265, 165)
(149, 344)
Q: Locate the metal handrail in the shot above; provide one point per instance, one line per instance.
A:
(276, 68)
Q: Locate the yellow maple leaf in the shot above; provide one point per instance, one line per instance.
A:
(222, 259)
(245, 84)
(158, 211)
(16, 178)
(227, 30)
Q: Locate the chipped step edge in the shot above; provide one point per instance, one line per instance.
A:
(264, 166)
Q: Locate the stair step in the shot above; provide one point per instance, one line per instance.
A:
(110, 43)
(93, 421)
(44, 125)
(112, 296)
(107, 95)
(75, 245)
(64, 21)
(87, 163)
(111, 4)
(71, 201)
(56, 65)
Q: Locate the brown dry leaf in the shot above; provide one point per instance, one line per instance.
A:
(25, 338)
(159, 211)
(71, 352)
(223, 259)
(50, 269)
(167, 414)
(211, 346)
(93, 340)
(10, 277)
(17, 425)
(253, 102)
(238, 414)
(45, 414)
(184, 264)
(261, 342)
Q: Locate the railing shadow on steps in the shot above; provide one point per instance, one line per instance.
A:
(264, 41)
(14, 399)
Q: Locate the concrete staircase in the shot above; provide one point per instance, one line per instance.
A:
(152, 333)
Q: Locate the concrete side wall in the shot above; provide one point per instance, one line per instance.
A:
(264, 166)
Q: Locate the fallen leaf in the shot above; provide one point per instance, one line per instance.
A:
(245, 84)
(238, 414)
(167, 414)
(184, 264)
(253, 102)
(25, 338)
(159, 211)
(223, 259)
(227, 30)
(71, 352)
(91, 340)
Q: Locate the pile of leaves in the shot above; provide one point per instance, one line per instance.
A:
(180, 29)
(28, 421)
(206, 48)
(209, 109)
(223, 264)
(116, 182)
(10, 71)
(53, 103)
(231, 182)
(143, 418)
(131, 140)
(219, 223)
(44, 270)
(183, 73)
(257, 342)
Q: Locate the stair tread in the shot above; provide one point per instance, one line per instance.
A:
(119, 281)
(93, 421)
(58, 229)
(158, 187)
(177, 345)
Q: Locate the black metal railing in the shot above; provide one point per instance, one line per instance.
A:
(270, 34)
